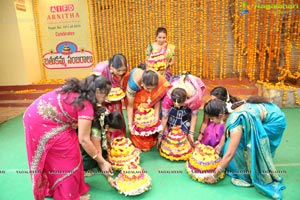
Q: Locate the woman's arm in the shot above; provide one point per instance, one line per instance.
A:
(192, 128)
(97, 142)
(235, 138)
(164, 121)
(84, 131)
(203, 126)
(130, 102)
(157, 110)
(219, 147)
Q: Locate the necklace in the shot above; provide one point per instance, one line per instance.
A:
(149, 100)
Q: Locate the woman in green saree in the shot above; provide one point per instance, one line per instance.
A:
(247, 153)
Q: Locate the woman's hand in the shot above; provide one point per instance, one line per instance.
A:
(200, 137)
(210, 179)
(191, 140)
(106, 168)
(130, 127)
(159, 139)
(196, 143)
(218, 149)
(111, 181)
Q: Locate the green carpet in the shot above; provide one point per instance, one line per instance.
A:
(169, 179)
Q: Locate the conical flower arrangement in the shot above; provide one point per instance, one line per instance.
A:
(175, 146)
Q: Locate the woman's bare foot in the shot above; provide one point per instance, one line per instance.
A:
(85, 197)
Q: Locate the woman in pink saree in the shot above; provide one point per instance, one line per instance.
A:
(53, 151)
(114, 69)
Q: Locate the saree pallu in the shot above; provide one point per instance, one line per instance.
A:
(194, 102)
(212, 134)
(274, 122)
(102, 69)
(147, 142)
(253, 161)
(52, 146)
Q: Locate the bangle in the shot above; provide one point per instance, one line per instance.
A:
(95, 156)
(220, 169)
(129, 123)
(161, 135)
(191, 132)
(213, 176)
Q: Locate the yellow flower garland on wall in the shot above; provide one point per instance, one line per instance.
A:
(199, 31)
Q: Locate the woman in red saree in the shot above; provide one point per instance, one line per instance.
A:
(114, 69)
(52, 144)
(144, 86)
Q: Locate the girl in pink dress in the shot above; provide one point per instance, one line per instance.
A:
(211, 133)
(50, 124)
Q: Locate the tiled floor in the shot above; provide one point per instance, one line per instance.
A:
(7, 113)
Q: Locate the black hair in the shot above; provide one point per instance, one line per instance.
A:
(150, 78)
(178, 95)
(251, 99)
(215, 107)
(99, 110)
(222, 94)
(114, 120)
(117, 61)
(86, 89)
(161, 30)
(142, 66)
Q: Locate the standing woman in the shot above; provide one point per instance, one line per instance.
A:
(181, 105)
(53, 152)
(144, 87)
(160, 54)
(115, 70)
(247, 152)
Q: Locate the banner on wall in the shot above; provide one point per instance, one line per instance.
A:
(64, 35)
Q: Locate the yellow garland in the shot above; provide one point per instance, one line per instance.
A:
(284, 88)
(38, 32)
(200, 35)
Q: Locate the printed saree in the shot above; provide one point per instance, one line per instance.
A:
(142, 96)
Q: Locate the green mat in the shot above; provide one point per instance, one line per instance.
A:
(169, 179)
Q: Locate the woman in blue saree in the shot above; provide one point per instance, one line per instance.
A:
(247, 150)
